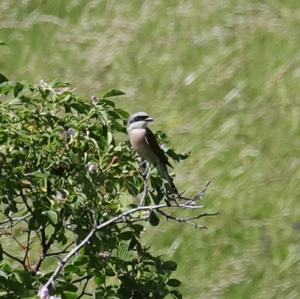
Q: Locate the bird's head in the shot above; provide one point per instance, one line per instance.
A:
(138, 120)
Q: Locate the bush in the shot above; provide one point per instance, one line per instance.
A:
(68, 180)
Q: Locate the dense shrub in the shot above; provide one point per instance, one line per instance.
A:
(66, 167)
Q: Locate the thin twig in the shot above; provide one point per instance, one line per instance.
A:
(83, 289)
(26, 203)
(187, 220)
(65, 250)
(14, 258)
(45, 246)
(25, 258)
(17, 219)
(38, 264)
(82, 278)
(199, 195)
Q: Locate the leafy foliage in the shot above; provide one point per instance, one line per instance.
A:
(64, 169)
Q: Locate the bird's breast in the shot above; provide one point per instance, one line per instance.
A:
(140, 145)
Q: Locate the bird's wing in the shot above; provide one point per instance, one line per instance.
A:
(154, 146)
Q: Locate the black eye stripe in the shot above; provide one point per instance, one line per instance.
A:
(140, 117)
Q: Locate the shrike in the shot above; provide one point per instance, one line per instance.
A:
(145, 144)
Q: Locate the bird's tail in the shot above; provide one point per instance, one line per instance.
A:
(162, 168)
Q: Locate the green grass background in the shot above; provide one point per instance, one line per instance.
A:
(222, 79)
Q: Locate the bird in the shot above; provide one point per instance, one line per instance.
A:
(145, 144)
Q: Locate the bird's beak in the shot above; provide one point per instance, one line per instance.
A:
(149, 119)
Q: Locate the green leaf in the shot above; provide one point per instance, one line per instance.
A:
(6, 87)
(69, 295)
(2, 43)
(72, 269)
(14, 101)
(109, 137)
(17, 287)
(33, 224)
(154, 220)
(1, 252)
(134, 244)
(125, 235)
(177, 157)
(52, 217)
(81, 260)
(18, 88)
(100, 294)
(3, 274)
(23, 277)
(173, 282)
(3, 78)
(7, 268)
(169, 265)
(58, 83)
(113, 93)
(110, 272)
(123, 252)
(123, 113)
(138, 229)
(175, 294)
(107, 102)
(99, 279)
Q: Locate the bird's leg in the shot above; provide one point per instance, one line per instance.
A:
(145, 169)
(169, 196)
(145, 175)
(148, 170)
(143, 166)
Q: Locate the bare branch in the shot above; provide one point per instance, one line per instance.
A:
(132, 220)
(199, 195)
(188, 220)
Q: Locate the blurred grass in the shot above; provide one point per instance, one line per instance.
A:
(222, 79)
